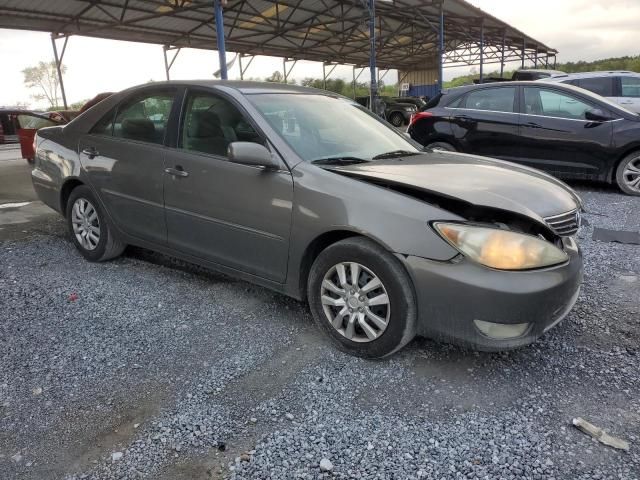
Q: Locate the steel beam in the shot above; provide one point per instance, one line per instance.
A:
(504, 34)
(168, 64)
(441, 48)
(373, 89)
(244, 69)
(482, 50)
(524, 47)
(222, 54)
(58, 60)
(287, 72)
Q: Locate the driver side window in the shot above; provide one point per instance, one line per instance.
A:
(211, 123)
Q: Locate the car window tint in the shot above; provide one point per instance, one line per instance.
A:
(105, 125)
(458, 103)
(494, 99)
(211, 123)
(630, 86)
(550, 103)
(31, 121)
(144, 118)
(600, 85)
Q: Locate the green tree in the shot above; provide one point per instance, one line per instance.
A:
(43, 77)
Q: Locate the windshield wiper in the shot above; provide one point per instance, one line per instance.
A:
(395, 153)
(339, 161)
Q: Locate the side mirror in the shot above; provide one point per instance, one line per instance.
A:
(253, 154)
(596, 115)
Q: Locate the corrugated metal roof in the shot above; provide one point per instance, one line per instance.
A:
(321, 30)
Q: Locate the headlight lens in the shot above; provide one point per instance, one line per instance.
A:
(501, 249)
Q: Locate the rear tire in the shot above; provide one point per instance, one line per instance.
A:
(89, 226)
(396, 119)
(393, 300)
(442, 146)
(628, 174)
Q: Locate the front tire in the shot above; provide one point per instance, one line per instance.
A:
(362, 297)
(89, 226)
(628, 174)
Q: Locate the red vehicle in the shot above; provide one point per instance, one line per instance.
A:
(21, 125)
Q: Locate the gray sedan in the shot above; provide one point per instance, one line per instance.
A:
(309, 194)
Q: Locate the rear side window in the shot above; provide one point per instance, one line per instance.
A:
(491, 99)
(550, 103)
(600, 85)
(630, 86)
(144, 118)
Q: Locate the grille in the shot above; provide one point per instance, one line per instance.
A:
(565, 224)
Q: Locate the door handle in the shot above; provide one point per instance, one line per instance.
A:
(177, 171)
(90, 152)
(532, 125)
(463, 118)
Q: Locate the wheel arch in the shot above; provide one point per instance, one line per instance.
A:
(65, 192)
(611, 175)
(315, 247)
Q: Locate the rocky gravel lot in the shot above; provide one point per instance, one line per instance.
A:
(146, 367)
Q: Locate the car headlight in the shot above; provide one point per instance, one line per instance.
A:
(501, 249)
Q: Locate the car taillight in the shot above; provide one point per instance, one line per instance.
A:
(418, 116)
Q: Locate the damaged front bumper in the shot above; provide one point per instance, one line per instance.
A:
(459, 300)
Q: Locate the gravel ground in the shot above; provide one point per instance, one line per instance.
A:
(146, 367)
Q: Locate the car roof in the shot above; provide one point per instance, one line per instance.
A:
(541, 70)
(244, 86)
(596, 74)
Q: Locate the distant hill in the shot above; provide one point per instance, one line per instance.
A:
(619, 63)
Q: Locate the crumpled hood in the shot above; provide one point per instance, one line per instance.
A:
(477, 180)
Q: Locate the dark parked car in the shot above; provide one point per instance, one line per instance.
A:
(416, 101)
(565, 130)
(396, 113)
(310, 194)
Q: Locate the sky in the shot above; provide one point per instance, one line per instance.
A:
(579, 29)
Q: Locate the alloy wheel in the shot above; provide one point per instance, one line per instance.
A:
(85, 222)
(355, 302)
(631, 174)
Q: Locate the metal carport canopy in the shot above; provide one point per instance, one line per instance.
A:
(336, 31)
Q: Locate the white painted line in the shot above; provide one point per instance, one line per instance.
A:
(14, 205)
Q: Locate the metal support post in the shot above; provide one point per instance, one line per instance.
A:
(58, 60)
(168, 64)
(524, 47)
(355, 79)
(324, 76)
(441, 48)
(373, 93)
(504, 33)
(222, 55)
(287, 72)
(244, 69)
(482, 50)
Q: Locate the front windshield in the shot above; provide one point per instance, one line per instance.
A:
(320, 127)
